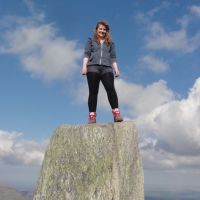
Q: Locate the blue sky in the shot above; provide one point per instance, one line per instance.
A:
(158, 47)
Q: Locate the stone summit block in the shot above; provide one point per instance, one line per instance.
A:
(92, 162)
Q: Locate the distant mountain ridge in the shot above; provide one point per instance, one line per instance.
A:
(9, 193)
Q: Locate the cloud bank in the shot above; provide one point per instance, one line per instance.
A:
(178, 40)
(42, 52)
(17, 151)
(172, 132)
(154, 64)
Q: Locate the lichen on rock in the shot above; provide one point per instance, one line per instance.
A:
(92, 162)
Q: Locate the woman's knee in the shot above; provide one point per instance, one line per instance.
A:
(93, 92)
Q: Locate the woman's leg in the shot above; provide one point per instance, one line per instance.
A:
(108, 83)
(93, 79)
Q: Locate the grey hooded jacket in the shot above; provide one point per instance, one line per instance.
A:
(99, 54)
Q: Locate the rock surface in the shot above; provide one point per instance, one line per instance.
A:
(92, 162)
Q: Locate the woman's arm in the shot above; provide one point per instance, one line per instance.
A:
(84, 68)
(87, 53)
(113, 58)
(116, 70)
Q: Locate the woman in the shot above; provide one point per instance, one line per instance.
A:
(98, 64)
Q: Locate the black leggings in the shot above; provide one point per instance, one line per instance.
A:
(107, 79)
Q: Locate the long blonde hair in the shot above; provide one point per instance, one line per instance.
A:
(108, 39)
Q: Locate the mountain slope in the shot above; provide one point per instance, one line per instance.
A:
(9, 193)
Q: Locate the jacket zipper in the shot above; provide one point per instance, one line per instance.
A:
(100, 55)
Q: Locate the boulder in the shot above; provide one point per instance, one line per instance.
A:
(92, 162)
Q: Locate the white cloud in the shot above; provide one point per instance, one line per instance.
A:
(159, 37)
(184, 21)
(159, 159)
(172, 40)
(31, 7)
(41, 51)
(14, 150)
(188, 18)
(154, 64)
(170, 134)
(139, 99)
(195, 10)
(146, 17)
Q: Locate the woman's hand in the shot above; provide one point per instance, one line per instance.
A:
(116, 70)
(84, 70)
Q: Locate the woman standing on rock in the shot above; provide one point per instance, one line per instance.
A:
(98, 64)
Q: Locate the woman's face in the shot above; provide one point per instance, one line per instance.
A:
(101, 31)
